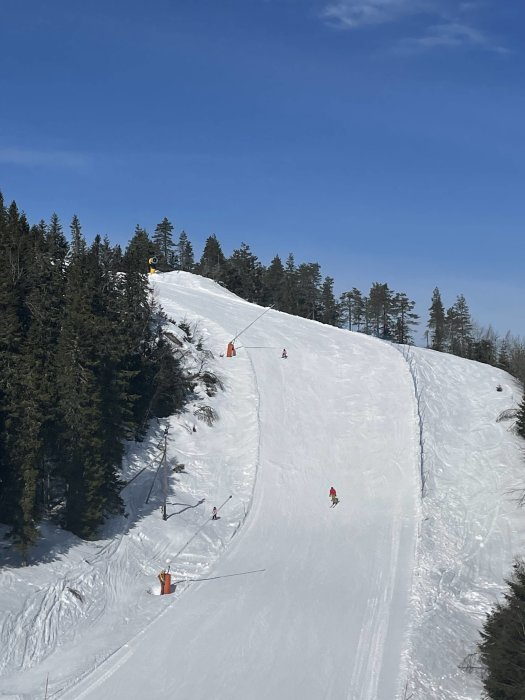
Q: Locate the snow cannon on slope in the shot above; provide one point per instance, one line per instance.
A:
(153, 262)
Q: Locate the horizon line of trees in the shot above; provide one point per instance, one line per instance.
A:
(300, 290)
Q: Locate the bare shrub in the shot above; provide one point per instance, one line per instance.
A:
(212, 382)
(206, 414)
(508, 414)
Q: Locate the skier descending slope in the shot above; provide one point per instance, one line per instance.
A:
(333, 496)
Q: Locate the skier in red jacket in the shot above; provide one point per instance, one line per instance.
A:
(333, 496)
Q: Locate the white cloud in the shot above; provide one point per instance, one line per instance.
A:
(61, 159)
(442, 22)
(356, 13)
(452, 35)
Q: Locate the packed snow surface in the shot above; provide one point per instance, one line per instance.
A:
(378, 598)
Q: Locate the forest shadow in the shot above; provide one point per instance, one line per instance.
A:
(142, 495)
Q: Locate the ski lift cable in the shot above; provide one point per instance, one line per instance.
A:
(251, 324)
(200, 528)
(212, 578)
(127, 483)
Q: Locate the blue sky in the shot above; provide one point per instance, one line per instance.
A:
(381, 138)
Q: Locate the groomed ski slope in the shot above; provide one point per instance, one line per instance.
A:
(328, 616)
(284, 597)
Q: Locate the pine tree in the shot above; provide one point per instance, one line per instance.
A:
(56, 240)
(17, 471)
(308, 290)
(520, 422)
(88, 355)
(138, 252)
(78, 244)
(163, 240)
(352, 309)
(346, 306)
(212, 261)
(244, 274)
(185, 257)
(504, 353)
(459, 328)
(274, 279)
(39, 380)
(289, 301)
(485, 347)
(379, 310)
(436, 322)
(359, 308)
(330, 313)
(502, 649)
(404, 318)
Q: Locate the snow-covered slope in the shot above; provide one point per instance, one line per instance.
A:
(472, 526)
(374, 599)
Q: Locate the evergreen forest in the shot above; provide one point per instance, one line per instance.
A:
(83, 365)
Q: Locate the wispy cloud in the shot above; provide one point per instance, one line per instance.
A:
(356, 13)
(442, 24)
(29, 157)
(452, 35)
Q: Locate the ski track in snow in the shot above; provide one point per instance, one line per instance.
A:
(381, 595)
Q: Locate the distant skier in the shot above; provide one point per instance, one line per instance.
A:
(214, 513)
(333, 496)
(284, 354)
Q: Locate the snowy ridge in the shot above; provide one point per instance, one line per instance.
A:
(379, 598)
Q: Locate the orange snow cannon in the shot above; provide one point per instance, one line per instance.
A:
(230, 350)
(166, 586)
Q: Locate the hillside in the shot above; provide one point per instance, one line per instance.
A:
(384, 592)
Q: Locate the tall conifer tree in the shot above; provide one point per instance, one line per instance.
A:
(436, 322)
(138, 252)
(185, 256)
(404, 318)
(275, 283)
(459, 328)
(330, 313)
(212, 261)
(163, 240)
(502, 649)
